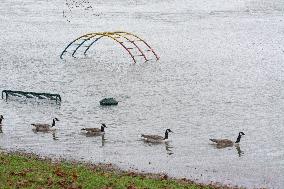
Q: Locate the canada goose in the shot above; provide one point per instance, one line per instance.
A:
(45, 127)
(95, 131)
(225, 142)
(1, 118)
(156, 138)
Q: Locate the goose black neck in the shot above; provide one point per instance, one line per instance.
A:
(0, 120)
(102, 128)
(239, 138)
(53, 123)
(166, 135)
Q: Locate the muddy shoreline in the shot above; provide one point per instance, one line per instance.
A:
(111, 168)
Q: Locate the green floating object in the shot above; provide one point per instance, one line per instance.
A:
(108, 102)
(49, 96)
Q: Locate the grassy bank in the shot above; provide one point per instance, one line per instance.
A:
(29, 171)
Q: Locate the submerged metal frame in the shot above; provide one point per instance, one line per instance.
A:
(50, 96)
(120, 37)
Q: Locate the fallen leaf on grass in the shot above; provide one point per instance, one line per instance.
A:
(131, 187)
(49, 181)
(74, 186)
(74, 176)
(105, 174)
(22, 184)
(59, 172)
(62, 183)
(164, 177)
(21, 173)
(132, 174)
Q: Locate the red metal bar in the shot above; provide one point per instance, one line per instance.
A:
(142, 41)
(134, 45)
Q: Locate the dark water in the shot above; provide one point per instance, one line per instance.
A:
(220, 72)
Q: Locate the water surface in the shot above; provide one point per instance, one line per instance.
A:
(220, 72)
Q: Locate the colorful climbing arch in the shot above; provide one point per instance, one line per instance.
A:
(134, 45)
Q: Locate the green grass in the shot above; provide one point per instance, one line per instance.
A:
(28, 171)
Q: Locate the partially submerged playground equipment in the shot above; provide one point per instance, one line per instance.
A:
(22, 94)
(108, 102)
(134, 45)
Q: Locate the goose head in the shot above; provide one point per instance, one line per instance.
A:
(103, 127)
(53, 121)
(167, 133)
(239, 137)
(241, 133)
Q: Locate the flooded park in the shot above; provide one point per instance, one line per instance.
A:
(219, 72)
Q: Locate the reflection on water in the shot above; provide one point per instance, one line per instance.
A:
(51, 133)
(54, 137)
(167, 145)
(33, 101)
(169, 148)
(237, 146)
(1, 131)
(103, 140)
(102, 135)
(240, 152)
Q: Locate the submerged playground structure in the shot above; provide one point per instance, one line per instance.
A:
(23, 94)
(134, 45)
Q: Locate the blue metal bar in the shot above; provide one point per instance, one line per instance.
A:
(81, 44)
(65, 50)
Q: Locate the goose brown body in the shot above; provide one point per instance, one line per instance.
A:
(153, 137)
(95, 131)
(44, 127)
(41, 127)
(227, 142)
(156, 138)
(223, 142)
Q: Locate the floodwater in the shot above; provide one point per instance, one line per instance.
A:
(220, 72)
